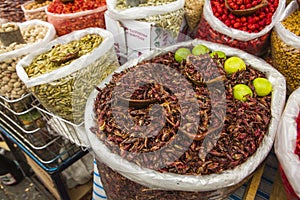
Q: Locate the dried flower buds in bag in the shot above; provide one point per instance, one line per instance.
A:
(76, 15)
(63, 73)
(250, 32)
(285, 46)
(174, 123)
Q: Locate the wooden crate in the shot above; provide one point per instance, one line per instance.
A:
(80, 192)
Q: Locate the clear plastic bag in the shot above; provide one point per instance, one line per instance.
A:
(285, 142)
(168, 16)
(36, 13)
(66, 23)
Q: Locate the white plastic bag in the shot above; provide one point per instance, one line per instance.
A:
(285, 49)
(170, 181)
(80, 172)
(212, 29)
(287, 36)
(34, 46)
(285, 142)
(34, 13)
(219, 26)
(78, 78)
(142, 12)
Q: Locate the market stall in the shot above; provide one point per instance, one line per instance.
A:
(171, 99)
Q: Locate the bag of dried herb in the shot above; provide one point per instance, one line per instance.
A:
(249, 32)
(285, 144)
(147, 152)
(167, 14)
(63, 73)
(285, 46)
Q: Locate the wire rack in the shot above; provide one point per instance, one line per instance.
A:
(36, 132)
(73, 132)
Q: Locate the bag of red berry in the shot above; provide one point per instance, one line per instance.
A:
(243, 24)
(287, 146)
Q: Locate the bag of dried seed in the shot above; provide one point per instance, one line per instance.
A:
(167, 15)
(226, 25)
(287, 144)
(193, 12)
(141, 123)
(285, 46)
(64, 72)
(35, 34)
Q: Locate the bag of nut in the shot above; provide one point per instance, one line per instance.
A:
(161, 130)
(72, 15)
(62, 74)
(285, 46)
(287, 139)
(228, 23)
(35, 34)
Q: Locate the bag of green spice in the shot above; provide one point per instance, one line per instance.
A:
(285, 46)
(63, 73)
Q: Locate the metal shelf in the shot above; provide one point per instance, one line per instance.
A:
(50, 151)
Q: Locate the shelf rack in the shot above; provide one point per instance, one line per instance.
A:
(43, 147)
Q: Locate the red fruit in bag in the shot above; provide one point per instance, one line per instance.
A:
(255, 22)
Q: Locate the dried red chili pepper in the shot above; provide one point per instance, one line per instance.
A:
(58, 7)
(297, 149)
(244, 124)
(78, 20)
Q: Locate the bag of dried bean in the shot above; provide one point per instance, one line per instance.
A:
(285, 46)
(35, 10)
(62, 74)
(287, 139)
(76, 15)
(157, 161)
(36, 34)
(250, 33)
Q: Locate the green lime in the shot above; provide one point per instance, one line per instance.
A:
(262, 86)
(240, 91)
(181, 54)
(234, 64)
(220, 54)
(200, 50)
